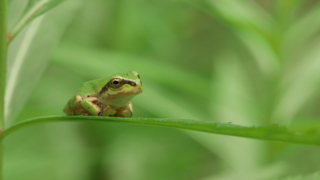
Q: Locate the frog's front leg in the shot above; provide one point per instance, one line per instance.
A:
(126, 111)
(90, 104)
(96, 108)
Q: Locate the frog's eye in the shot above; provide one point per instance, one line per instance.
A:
(115, 83)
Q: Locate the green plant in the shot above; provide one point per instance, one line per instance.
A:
(269, 42)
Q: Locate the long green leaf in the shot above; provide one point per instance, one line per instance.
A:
(34, 9)
(271, 133)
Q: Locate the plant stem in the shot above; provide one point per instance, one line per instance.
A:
(3, 67)
(3, 57)
(26, 18)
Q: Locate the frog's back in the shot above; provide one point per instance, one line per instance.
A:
(92, 87)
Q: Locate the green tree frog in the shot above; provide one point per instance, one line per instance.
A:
(106, 97)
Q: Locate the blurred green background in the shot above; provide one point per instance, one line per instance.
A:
(252, 62)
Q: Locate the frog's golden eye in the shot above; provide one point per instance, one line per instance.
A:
(115, 83)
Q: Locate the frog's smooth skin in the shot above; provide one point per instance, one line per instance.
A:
(106, 97)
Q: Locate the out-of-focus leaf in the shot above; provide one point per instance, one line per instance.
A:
(253, 25)
(286, 9)
(232, 99)
(28, 57)
(33, 9)
(302, 30)
(266, 172)
(38, 7)
(311, 176)
(232, 95)
(51, 155)
(300, 84)
(270, 133)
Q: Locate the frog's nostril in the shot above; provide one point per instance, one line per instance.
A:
(132, 83)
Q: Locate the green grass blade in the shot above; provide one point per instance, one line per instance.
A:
(271, 133)
(33, 9)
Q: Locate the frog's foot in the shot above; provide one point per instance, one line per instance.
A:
(81, 112)
(90, 105)
(126, 111)
(107, 111)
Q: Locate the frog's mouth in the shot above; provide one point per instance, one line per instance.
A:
(134, 90)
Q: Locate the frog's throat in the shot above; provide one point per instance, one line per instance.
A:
(121, 94)
(120, 102)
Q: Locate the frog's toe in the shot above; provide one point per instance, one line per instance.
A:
(124, 113)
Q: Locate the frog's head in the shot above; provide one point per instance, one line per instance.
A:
(122, 86)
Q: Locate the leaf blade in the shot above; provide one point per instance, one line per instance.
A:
(270, 133)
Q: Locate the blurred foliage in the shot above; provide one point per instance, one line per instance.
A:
(249, 62)
(33, 9)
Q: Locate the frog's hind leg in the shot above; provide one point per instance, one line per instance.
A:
(126, 111)
(107, 111)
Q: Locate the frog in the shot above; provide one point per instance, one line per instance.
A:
(110, 96)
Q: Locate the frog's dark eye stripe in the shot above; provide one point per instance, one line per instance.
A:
(104, 89)
(132, 83)
(116, 83)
